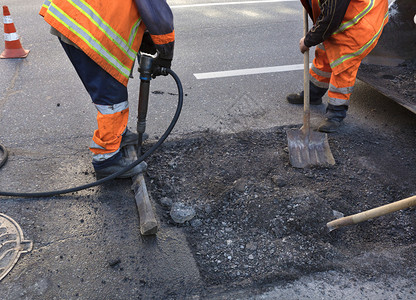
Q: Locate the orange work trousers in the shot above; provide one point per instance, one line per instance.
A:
(340, 86)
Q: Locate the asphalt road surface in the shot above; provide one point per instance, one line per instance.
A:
(237, 62)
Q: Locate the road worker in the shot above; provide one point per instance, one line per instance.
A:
(102, 39)
(344, 32)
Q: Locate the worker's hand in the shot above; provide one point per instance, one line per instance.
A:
(302, 46)
(147, 45)
(160, 66)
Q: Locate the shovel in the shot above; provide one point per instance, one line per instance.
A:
(372, 213)
(306, 147)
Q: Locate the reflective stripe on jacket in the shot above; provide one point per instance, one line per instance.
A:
(110, 32)
(358, 33)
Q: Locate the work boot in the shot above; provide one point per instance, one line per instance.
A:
(131, 138)
(333, 118)
(315, 95)
(113, 165)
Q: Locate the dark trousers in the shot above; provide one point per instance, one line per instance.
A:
(102, 87)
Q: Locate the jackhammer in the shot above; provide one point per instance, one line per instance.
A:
(146, 69)
(148, 222)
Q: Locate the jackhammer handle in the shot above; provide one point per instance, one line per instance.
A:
(372, 213)
(306, 104)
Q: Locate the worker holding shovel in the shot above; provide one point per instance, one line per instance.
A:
(344, 32)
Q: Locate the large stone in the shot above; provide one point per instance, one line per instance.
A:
(180, 213)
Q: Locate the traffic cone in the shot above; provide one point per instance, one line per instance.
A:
(13, 47)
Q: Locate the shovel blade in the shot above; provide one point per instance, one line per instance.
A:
(308, 149)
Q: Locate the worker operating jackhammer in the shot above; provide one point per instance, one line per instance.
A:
(102, 39)
(344, 32)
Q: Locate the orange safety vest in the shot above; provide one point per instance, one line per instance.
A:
(358, 33)
(109, 32)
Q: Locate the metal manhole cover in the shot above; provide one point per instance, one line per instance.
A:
(12, 244)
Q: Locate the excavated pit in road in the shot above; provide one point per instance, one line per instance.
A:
(259, 221)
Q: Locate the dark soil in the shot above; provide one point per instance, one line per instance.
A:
(261, 221)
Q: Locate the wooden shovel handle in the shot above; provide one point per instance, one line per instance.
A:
(372, 213)
(306, 104)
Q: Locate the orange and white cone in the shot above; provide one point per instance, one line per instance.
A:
(14, 48)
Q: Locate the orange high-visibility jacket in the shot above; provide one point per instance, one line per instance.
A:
(110, 32)
(358, 33)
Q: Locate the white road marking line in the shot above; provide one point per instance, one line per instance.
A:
(244, 72)
(229, 3)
